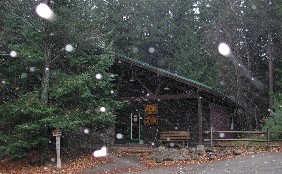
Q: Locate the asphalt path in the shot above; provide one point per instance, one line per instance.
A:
(261, 163)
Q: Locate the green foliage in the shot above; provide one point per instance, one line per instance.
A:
(25, 118)
(170, 28)
(274, 122)
(60, 91)
(192, 63)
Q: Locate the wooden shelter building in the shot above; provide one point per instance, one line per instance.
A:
(159, 100)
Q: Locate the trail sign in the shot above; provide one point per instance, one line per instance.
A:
(56, 133)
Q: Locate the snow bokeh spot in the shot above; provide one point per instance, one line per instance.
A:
(24, 75)
(98, 76)
(44, 11)
(224, 49)
(119, 136)
(101, 153)
(221, 135)
(32, 69)
(69, 48)
(86, 131)
(134, 50)
(151, 50)
(13, 54)
(102, 109)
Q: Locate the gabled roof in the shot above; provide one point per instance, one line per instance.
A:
(190, 82)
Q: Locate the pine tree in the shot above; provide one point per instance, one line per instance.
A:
(59, 79)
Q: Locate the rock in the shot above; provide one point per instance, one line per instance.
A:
(161, 148)
(195, 157)
(209, 149)
(184, 151)
(228, 152)
(187, 158)
(200, 148)
(221, 155)
(237, 152)
(168, 159)
(212, 157)
(153, 156)
(192, 150)
(199, 153)
(250, 149)
(159, 160)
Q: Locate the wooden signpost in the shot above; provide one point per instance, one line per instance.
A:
(58, 133)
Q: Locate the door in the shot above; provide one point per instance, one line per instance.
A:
(135, 127)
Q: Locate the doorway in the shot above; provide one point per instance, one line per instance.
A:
(135, 127)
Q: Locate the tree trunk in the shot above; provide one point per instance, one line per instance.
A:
(45, 87)
(270, 73)
(46, 77)
(45, 99)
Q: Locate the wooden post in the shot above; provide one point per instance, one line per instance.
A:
(58, 151)
(211, 137)
(200, 121)
(57, 133)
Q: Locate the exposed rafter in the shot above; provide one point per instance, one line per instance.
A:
(143, 85)
(160, 97)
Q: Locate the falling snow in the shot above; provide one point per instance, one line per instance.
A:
(69, 48)
(100, 153)
(165, 51)
(224, 49)
(86, 131)
(102, 109)
(44, 11)
(13, 54)
(98, 76)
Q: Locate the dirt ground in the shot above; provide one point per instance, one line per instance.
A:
(261, 163)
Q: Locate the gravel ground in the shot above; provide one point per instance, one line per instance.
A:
(262, 163)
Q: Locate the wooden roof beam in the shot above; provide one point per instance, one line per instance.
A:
(160, 97)
(143, 85)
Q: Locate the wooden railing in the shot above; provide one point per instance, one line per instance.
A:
(216, 136)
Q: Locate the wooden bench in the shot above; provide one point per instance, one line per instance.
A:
(174, 136)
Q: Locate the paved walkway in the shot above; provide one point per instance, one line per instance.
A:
(117, 163)
(262, 163)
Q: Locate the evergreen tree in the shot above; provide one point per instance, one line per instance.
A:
(165, 34)
(59, 79)
(274, 121)
(244, 25)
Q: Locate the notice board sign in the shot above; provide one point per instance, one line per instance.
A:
(151, 109)
(151, 121)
